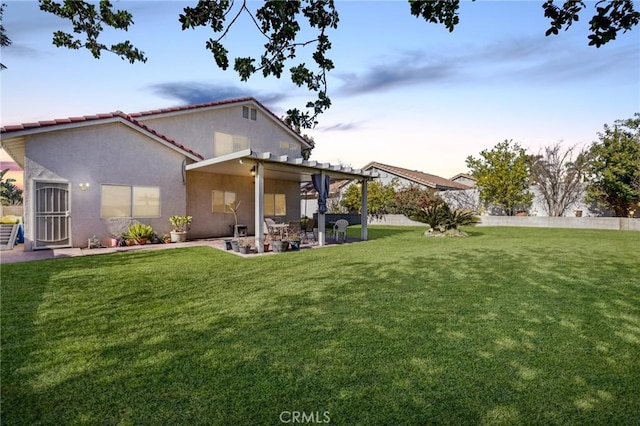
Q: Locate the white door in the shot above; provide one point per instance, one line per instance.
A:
(52, 221)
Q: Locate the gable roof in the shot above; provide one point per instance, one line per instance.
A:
(418, 177)
(463, 175)
(132, 120)
(20, 130)
(218, 104)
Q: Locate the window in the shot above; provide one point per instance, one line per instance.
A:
(275, 204)
(249, 112)
(146, 201)
(130, 201)
(290, 148)
(220, 199)
(226, 144)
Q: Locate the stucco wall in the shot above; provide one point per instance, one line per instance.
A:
(196, 129)
(625, 224)
(208, 224)
(621, 223)
(394, 219)
(106, 154)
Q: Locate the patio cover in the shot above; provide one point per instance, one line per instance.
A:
(282, 167)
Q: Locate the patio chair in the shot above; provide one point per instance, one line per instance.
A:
(340, 227)
(309, 229)
(276, 230)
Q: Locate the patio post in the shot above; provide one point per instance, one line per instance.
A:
(364, 212)
(321, 218)
(259, 209)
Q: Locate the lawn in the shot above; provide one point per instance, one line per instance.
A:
(510, 326)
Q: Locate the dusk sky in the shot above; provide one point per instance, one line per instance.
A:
(404, 92)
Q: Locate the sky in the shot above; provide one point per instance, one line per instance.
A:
(404, 92)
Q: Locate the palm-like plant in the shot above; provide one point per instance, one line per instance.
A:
(441, 217)
(10, 194)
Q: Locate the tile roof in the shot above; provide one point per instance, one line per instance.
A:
(463, 175)
(97, 117)
(132, 118)
(215, 104)
(198, 106)
(417, 176)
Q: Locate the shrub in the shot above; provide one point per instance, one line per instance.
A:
(442, 218)
(139, 233)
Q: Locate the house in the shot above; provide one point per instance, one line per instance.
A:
(465, 179)
(385, 174)
(83, 173)
(405, 177)
(309, 197)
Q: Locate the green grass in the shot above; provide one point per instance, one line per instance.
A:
(509, 326)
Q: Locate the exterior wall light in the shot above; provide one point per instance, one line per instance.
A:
(84, 186)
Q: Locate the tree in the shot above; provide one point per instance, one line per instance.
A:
(380, 198)
(10, 194)
(465, 199)
(414, 201)
(280, 23)
(614, 167)
(4, 39)
(559, 177)
(502, 177)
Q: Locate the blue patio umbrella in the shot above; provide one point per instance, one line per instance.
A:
(322, 194)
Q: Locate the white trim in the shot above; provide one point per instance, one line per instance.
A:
(259, 208)
(245, 153)
(282, 162)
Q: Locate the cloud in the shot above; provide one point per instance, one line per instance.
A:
(195, 92)
(406, 70)
(519, 60)
(340, 127)
(11, 165)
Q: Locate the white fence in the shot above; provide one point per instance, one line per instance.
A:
(620, 223)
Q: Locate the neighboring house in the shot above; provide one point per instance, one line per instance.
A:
(82, 172)
(465, 179)
(405, 177)
(309, 197)
(385, 174)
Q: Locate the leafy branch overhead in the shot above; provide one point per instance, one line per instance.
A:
(279, 22)
(88, 20)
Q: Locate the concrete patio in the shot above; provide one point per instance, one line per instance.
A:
(19, 255)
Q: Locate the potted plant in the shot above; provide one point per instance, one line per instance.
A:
(279, 245)
(117, 228)
(139, 233)
(233, 206)
(180, 224)
(245, 245)
(294, 240)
